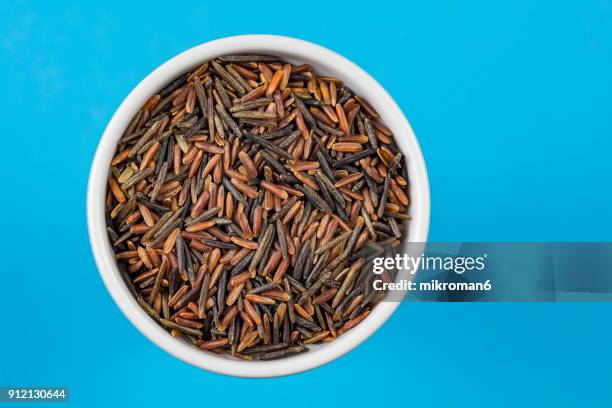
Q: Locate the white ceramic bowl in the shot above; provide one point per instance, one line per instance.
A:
(293, 50)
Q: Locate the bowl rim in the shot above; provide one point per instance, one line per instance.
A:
(287, 47)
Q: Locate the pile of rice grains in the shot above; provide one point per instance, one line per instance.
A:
(245, 201)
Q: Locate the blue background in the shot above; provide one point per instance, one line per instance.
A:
(512, 104)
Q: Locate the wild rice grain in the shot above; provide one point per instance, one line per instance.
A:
(245, 200)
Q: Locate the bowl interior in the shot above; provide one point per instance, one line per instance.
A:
(324, 62)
